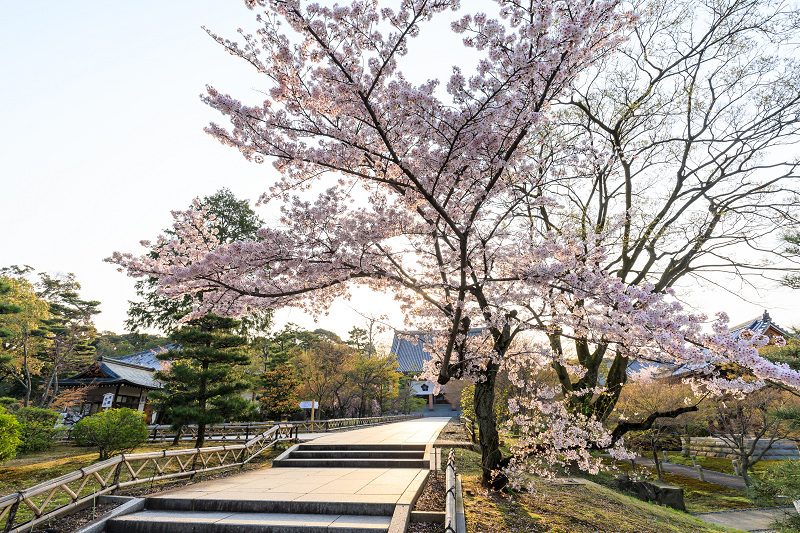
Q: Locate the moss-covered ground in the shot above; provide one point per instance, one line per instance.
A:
(718, 464)
(25, 471)
(699, 496)
(565, 508)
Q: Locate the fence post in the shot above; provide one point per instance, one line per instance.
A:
(117, 472)
(12, 513)
(450, 495)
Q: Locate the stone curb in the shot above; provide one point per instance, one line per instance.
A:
(402, 511)
(129, 505)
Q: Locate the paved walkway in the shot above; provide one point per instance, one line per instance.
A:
(380, 485)
(754, 520)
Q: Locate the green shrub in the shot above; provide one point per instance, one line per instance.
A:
(115, 430)
(9, 436)
(468, 401)
(36, 429)
(8, 403)
(781, 479)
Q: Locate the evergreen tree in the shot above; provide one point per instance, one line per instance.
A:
(234, 219)
(792, 252)
(6, 308)
(202, 385)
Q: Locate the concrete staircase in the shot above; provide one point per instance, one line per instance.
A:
(354, 456)
(203, 515)
(355, 483)
(177, 515)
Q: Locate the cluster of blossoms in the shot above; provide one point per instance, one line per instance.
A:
(452, 182)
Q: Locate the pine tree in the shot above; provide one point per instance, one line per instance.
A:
(6, 308)
(202, 385)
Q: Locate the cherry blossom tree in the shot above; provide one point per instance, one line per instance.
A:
(456, 178)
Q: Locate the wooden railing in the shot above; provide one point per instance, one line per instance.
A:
(244, 431)
(469, 425)
(450, 495)
(25, 509)
(337, 424)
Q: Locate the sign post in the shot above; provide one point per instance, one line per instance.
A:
(108, 400)
(310, 405)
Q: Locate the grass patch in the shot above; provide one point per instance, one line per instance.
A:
(717, 464)
(699, 496)
(28, 470)
(558, 508)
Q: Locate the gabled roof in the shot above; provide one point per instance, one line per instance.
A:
(135, 369)
(407, 346)
(760, 325)
(147, 358)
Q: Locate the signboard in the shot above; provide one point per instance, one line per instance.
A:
(108, 399)
(424, 388)
(307, 405)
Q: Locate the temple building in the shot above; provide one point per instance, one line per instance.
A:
(122, 381)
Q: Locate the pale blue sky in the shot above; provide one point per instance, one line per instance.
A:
(102, 136)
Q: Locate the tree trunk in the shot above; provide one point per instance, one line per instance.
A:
(745, 465)
(659, 473)
(201, 424)
(686, 448)
(177, 438)
(487, 423)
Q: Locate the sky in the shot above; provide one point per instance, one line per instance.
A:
(102, 136)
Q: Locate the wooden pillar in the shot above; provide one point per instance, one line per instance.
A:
(116, 393)
(430, 402)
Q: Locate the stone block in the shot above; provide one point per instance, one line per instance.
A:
(653, 491)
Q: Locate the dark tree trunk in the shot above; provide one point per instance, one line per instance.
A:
(656, 461)
(487, 423)
(201, 424)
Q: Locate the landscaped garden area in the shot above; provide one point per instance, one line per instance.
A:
(570, 220)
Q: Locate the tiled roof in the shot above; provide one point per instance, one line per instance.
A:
(146, 358)
(407, 346)
(759, 325)
(130, 373)
(135, 369)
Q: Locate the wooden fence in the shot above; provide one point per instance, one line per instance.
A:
(243, 431)
(23, 510)
(450, 495)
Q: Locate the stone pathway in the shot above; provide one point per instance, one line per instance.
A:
(345, 499)
(753, 520)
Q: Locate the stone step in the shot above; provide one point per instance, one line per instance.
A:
(351, 463)
(356, 454)
(154, 521)
(364, 447)
(270, 506)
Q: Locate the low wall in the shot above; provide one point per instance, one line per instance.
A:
(716, 447)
